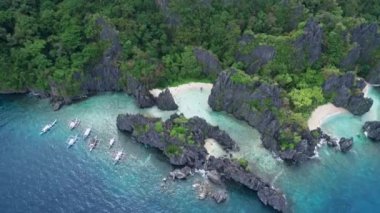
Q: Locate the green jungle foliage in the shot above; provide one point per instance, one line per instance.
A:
(45, 43)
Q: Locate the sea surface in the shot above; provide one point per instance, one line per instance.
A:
(40, 174)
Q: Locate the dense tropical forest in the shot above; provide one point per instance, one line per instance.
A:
(52, 42)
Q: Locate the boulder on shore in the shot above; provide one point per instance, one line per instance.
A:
(165, 101)
(372, 130)
(219, 196)
(180, 173)
(346, 144)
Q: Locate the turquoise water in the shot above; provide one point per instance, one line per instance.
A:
(338, 182)
(39, 174)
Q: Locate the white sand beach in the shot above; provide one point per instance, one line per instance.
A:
(179, 89)
(321, 113)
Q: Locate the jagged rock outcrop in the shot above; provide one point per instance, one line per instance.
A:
(252, 102)
(373, 76)
(105, 75)
(182, 141)
(233, 171)
(139, 91)
(257, 58)
(372, 130)
(211, 65)
(165, 101)
(308, 47)
(346, 144)
(366, 41)
(180, 174)
(220, 196)
(214, 177)
(331, 142)
(346, 91)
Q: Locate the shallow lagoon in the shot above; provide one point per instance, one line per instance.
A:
(39, 173)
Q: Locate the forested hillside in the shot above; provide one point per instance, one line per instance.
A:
(56, 46)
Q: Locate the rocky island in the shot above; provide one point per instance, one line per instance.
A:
(271, 63)
(182, 141)
(372, 130)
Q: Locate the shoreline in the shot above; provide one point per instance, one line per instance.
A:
(323, 112)
(183, 87)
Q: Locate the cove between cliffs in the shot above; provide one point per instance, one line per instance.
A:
(133, 184)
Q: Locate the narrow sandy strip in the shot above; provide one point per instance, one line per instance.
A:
(184, 87)
(321, 113)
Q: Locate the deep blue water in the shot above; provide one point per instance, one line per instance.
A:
(39, 174)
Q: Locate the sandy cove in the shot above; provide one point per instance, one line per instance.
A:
(321, 113)
(184, 87)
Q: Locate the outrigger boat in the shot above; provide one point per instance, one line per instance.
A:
(74, 123)
(72, 141)
(86, 133)
(48, 127)
(112, 141)
(93, 143)
(118, 156)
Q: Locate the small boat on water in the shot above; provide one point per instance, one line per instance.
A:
(74, 123)
(48, 127)
(93, 143)
(86, 133)
(118, 156)
(112, 141)
(72, 141)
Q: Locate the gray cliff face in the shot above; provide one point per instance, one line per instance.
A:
(139, 91)
(194, 155)
(104, 76)
(308, 48)
(372, 129)
(257, 58)
(253, 103)
(210, 63)
(347, 93)
(237, 99)
(366, 40)
(165, 101)
(373, 76)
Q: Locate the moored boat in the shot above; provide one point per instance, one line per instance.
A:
(48, 127)
(87, 133)
(72, 141)
(74, 123)
(112, 141)
(93, 143)
(118, 156)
